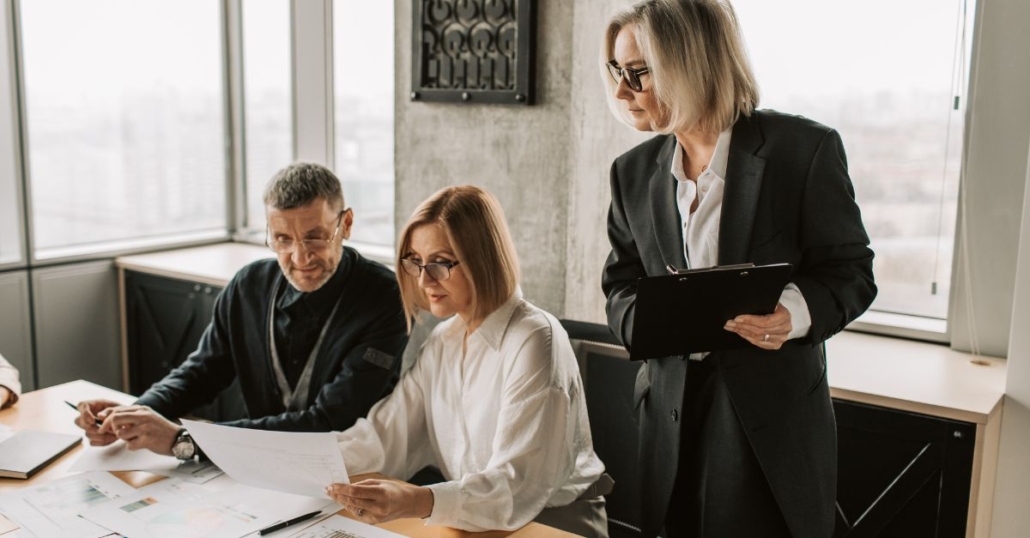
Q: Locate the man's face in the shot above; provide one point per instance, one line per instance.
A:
(303, 238)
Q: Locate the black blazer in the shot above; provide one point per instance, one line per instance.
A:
(788, 198)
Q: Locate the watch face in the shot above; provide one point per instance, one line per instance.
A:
(183, 447)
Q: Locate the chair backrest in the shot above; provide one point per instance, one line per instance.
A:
(608, 379)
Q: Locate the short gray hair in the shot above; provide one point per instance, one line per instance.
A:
(299, 184)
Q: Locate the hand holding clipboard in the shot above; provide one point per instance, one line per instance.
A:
(686, 311)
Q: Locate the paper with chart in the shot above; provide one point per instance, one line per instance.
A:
(52, 509)
(341, 527)
(300, 463)
(118, 457)
(228, 513)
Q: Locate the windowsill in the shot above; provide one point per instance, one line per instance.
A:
(902, 326)
(117, 248)
(920, 377)
(212, 264)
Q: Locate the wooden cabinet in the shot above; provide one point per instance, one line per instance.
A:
(901, 474)
(164, 320)
(918, 427)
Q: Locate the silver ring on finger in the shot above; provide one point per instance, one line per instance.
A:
(360, 512)
(766, 337)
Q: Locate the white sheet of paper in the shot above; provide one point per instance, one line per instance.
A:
(230, 513)
(300, 463)
(52, 508)
(117, 457)
(197, 472)
(338, 526)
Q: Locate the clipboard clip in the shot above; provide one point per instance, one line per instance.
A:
(673, 271)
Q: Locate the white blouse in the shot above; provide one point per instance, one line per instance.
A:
(701, 229)
(506, 424)
(9, 379)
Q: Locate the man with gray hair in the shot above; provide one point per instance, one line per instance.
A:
(314, 336)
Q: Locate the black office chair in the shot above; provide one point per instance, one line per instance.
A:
(608, 379)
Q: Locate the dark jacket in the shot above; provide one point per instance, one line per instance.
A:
(357, 365)
(788, 198)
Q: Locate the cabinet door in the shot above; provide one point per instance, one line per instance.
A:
(901, 474)
(165, 319)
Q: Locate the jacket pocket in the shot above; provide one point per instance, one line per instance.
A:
(642, 385)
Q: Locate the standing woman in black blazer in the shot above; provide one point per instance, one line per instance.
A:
(742, 442)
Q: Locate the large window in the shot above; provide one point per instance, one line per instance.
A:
(267, 99)
(890, 76)
(125, 121)
(10, 196)
(363, 69)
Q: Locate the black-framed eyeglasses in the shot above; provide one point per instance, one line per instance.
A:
(631, 75)
(437, 270)
(284, 245)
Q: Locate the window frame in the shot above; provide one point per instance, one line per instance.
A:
(114, 248)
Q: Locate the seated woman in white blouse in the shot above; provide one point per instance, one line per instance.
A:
(494, 399)
(10, 388)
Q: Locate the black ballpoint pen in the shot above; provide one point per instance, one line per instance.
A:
(96, 420)
(283, 524)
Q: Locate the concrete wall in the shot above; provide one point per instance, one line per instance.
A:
(546, 163)
(1012, 490)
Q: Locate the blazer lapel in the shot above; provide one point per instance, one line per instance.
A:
(744, 171)
(664, 213)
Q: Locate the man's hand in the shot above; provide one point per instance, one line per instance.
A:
(376, 501)
(141, 427)
(767, 332)
(90, 412)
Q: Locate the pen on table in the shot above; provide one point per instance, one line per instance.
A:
(672, 270)
(96, 420)
(283, 524)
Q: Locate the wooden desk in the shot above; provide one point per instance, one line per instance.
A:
(45, 410)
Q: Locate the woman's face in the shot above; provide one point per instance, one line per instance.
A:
(642, 106)
(453, 295)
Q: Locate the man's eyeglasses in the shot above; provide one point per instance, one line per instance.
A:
(284, 245)
(437, 270)
(631, 75)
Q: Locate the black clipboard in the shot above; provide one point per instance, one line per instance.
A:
(685, 312)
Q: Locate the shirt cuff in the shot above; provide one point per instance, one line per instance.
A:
(12, 397)
(800, 318)
(446, 503)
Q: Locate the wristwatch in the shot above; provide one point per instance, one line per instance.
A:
(183, 447)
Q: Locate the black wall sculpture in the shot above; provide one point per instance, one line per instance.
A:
(473, 51)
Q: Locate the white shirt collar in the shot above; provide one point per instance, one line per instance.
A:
(496, 323)
(717, 165)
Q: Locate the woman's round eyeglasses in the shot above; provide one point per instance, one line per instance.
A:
(631, 75)
(436, 270)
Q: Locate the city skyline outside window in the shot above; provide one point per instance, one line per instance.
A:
(125, 120)
(888, 84)
(363, 81)
(267, 99)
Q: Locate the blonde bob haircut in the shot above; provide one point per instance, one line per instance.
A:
(474, 224)
(699, 68)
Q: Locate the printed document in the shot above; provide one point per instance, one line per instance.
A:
(118, 457)
(52, 508)
(299, 463)
(229, 513)
(342, 527)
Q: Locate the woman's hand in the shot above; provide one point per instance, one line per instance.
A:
(376, 501)
(767, 332)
